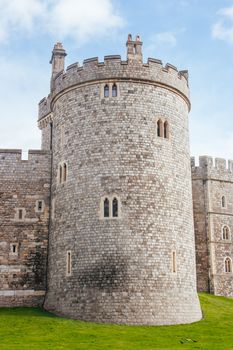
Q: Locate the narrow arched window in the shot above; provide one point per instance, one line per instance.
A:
(106, 91)
(228, 265)
(115, 207)
(64, 172)
(174, 262)
(114, 90)
(159, 131)
(225, 233)
(160, 128)
(68, 263)
(106, 208)
(165, 130)
(60, 174)
(223, 202)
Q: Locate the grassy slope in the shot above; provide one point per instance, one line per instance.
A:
(28, 328)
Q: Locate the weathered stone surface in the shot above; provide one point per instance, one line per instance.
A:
(23, 183)
(121, 267)
(212, 180)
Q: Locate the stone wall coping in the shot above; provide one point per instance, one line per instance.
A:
(16, 154)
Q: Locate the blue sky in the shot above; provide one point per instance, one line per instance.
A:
(192, 34)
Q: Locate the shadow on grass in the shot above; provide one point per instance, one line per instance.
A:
(26, 311)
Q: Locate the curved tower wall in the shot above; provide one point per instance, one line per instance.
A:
(121, 267)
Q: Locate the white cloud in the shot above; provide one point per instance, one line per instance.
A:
(165, 38)
(18, 15)
(80, 20)
(163, 41)
(223, 29)
(159, 40)
(220, 31)
(83, 20)
(227, 11)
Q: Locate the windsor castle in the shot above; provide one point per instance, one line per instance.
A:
(109, 221)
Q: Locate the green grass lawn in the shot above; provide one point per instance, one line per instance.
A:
(32, 328)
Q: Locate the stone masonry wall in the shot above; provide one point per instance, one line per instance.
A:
(217, 179)
(24, 214)
(200, 227)
(121, 268)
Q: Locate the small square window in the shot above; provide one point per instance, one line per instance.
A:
(14, 248)
(39, 206)
(20, 214)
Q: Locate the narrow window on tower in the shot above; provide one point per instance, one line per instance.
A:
(223, 202)
(53, 208)
(115, 207)
(225, 233)
(114, 90)
(60, 174)
(165, 130)
(62, 135)
(64, 172)
(106, 90)
(228, 265)
(159, 128)
(174, 262)
(68, 263)
(106, 208)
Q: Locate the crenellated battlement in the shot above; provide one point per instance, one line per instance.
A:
(213, 168)
(113, 67)
(45, 106)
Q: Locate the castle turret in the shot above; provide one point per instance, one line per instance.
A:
(121, 244)
(57, 60)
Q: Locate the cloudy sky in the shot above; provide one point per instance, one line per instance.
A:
(192, 34)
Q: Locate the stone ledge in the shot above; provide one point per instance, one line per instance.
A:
(21, 293)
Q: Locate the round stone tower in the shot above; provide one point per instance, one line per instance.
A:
(121, 244)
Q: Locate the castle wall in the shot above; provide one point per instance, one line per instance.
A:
(212, 180)
(121, 268)
(201, 229)
(138, 267)
(24, 214)
(46, 133)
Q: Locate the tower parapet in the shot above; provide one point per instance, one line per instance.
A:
(114, 69)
